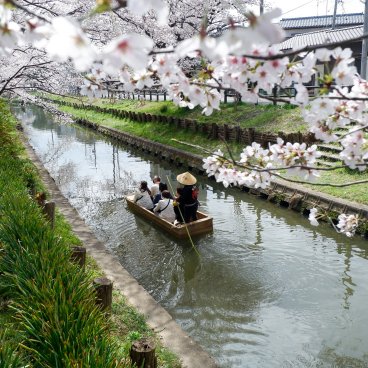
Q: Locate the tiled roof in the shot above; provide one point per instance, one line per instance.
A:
(322, 21)
(322, 37)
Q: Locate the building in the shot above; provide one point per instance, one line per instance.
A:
(294, 26)
(315, 31)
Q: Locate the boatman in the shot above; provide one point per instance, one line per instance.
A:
(188, 201)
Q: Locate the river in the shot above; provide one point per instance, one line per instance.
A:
(266, 289)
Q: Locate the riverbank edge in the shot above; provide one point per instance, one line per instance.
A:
(172, 336)
(289, 195)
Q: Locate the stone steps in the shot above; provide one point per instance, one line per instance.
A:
(329, 147)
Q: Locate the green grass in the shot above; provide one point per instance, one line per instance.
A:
(356, 193)
(263, 118)
(157, 132)
(129, 325)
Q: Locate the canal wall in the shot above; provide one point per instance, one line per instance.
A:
(289, 195)
(161, 322)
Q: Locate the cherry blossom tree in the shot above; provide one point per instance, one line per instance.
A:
(155, 36)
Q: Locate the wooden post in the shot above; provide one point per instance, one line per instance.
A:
(164, 95)
(251, 135)
(142, 353)
(237, 133)
(214, 131)
(226, 132)
(79, 256)
(103, 287)
(49, 211)
(40, 199)
(274, 95)
(150, 94)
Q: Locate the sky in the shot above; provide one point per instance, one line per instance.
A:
(307, 8)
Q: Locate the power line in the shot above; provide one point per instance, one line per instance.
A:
(300, 6)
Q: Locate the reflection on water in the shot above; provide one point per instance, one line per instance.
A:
(268, 290)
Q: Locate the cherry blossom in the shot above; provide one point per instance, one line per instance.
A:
(212, 102)
(313, 213)
(264, 30)
(130, 49)
(9, 34)
(348, 224)
(76, 45)
(143, 79)
(140, 7)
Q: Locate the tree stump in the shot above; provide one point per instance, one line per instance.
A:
(295, 201)
(40, 198)
(49, 211)
(79, 256)
(103, 287)
(142, 353)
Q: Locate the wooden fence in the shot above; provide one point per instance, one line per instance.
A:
(227, 132)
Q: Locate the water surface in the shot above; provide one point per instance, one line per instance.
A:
(267, 290)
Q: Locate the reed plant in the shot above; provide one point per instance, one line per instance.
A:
(9, 357)
(52, 299)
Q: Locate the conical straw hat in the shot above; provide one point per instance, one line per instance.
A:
(186, 179)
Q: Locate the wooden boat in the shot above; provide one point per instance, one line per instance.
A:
(202, 226)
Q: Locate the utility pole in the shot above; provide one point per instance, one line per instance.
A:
(363, 65)
(261, 10)
(334, 15)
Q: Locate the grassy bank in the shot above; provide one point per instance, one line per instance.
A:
(48, 317)
(264, 118)
(164, 133)
(157, 132)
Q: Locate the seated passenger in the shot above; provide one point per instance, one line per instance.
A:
(155, 187)
(158, 197)
(165, 208)
(143, 196)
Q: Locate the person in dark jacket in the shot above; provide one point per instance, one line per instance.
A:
(161, 188)
(188, 202)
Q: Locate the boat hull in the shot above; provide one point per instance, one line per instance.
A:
(203, 225)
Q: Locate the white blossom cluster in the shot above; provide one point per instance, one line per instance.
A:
(256, 164)
(247, 60)
(347, 224)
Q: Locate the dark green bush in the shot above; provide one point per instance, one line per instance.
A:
(164, 109)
